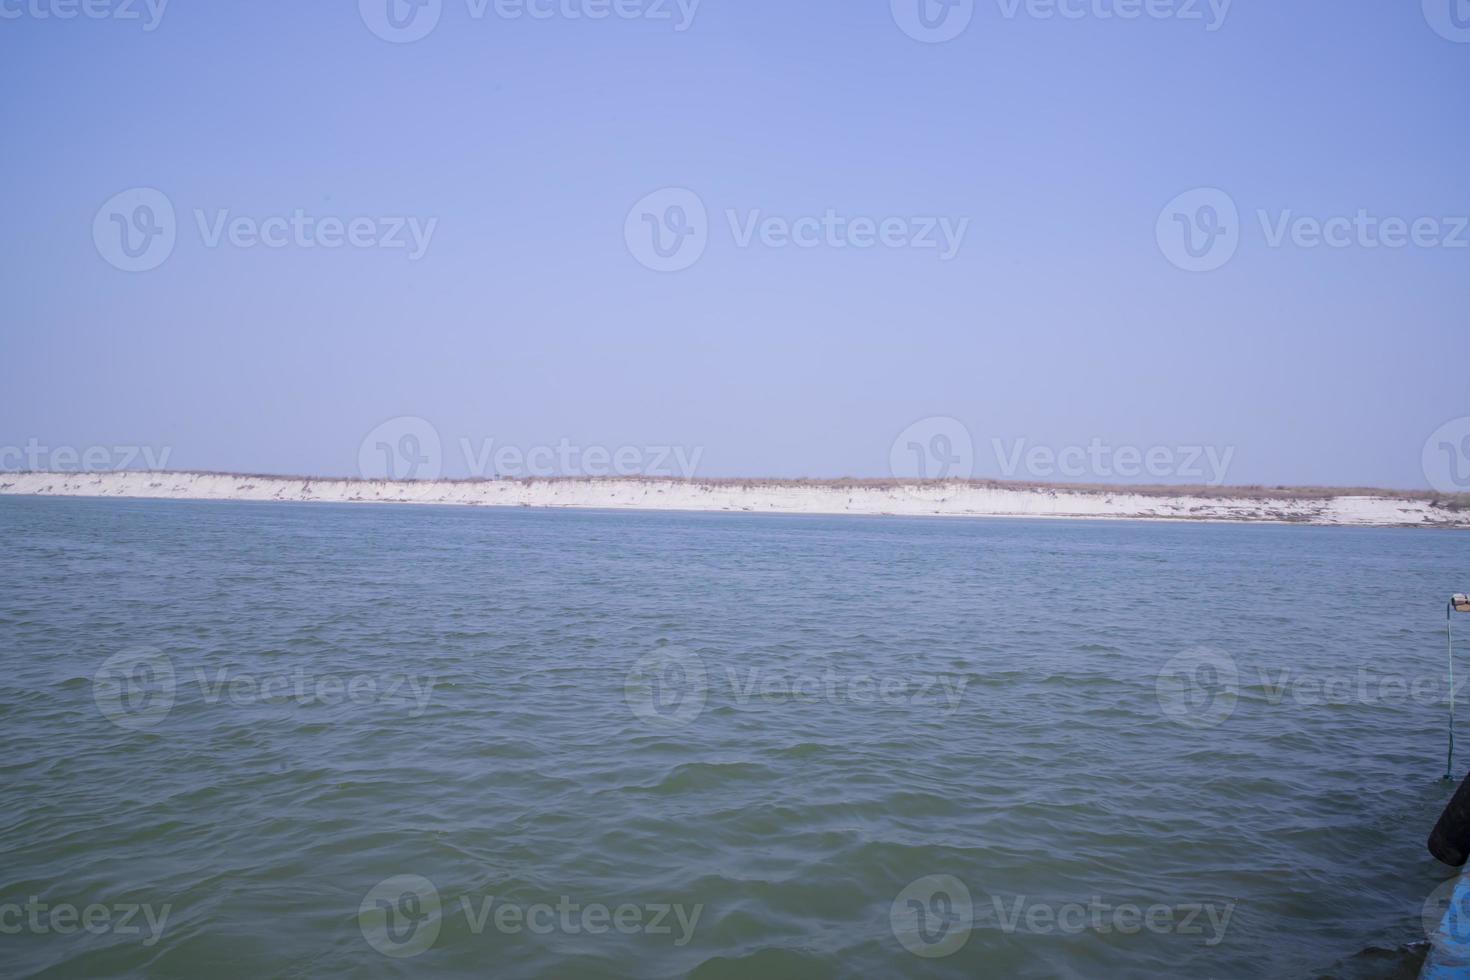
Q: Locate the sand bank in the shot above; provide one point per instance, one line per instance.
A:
(773, 497)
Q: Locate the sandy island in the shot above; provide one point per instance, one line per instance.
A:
(1295, 505)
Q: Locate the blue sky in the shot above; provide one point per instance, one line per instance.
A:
(1059, 321)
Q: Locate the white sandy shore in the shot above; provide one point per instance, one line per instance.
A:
(941, 500)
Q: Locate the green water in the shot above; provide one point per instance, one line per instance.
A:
(310, 740)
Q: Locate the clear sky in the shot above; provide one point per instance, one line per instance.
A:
(1051, 148)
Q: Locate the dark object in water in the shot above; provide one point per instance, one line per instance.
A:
(1450, 839)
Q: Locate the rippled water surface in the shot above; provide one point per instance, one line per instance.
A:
(310, 740)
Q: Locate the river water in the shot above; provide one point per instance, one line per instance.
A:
(310, 740)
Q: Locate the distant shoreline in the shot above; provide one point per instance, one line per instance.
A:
(899, 498)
